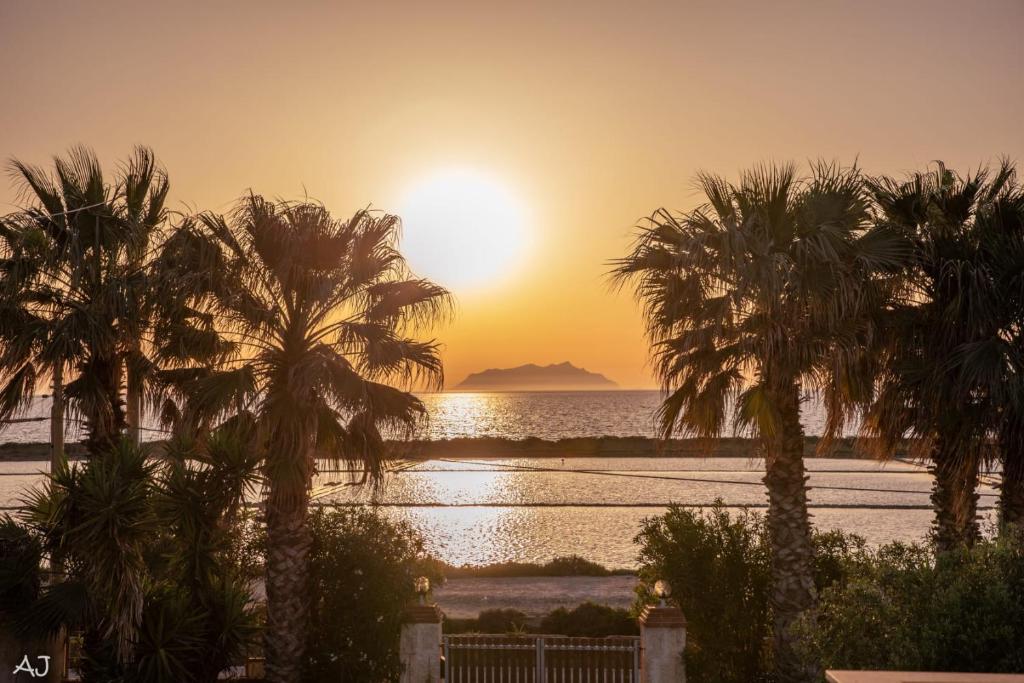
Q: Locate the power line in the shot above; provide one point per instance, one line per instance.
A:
(49, 214)
(699, 506)
(690, 479)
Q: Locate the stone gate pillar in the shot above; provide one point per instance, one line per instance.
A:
(420, 644)
(662, 639)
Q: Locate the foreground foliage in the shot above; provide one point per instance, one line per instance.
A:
(949, 354)
(149, 572)
(896, 607)
(362, 568)
(720, 569)
(78, 291)
(901, 609)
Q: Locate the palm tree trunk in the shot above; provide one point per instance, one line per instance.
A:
(57, 456)
(58, 459)
(288, 543)
(134, 408)
(954, 497)
(793, 592)
(106, 419)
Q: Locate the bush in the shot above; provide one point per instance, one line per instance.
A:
(572, 565)
(590, 620)
(719, 567)
(21, 574)
(148, 574)
(893, 608)
(720, 570)
(362, 568)
(903, 610)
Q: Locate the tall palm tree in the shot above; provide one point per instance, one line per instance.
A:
(943, 371)
(754, 298)
(73, 286)
(997, 363)
(315, 315)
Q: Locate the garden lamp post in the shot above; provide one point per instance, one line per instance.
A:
(422, 585)
(662, 590)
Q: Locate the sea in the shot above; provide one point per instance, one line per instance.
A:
(485, 509)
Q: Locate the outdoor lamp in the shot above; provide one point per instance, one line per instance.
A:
(662, 589)
(422, 585)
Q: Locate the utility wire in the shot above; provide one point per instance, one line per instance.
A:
(605, 473)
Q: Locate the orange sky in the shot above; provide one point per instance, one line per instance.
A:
(593, 114)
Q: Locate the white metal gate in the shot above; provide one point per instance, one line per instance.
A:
(541, 659)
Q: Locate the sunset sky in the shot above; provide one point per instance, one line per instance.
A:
(561, 124)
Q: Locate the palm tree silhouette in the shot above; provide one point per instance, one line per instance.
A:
(947, 368)
(315, 317)
(74, 283)
(762, 293)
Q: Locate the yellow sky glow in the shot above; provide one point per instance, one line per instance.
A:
(591, 116)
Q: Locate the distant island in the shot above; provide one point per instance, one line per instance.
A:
(530, 377)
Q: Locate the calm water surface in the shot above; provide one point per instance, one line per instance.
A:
(512, 415)
(534, 509)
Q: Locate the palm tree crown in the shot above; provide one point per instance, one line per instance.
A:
(764, 281)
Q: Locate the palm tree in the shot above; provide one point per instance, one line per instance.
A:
(998, 361)
(314, 315)
(943, 357)
(751, 299)
(73, 284)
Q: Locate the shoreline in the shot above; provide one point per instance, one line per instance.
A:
(575, 447)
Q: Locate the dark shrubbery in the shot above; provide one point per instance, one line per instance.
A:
(720, 569)
(590, 620)
(572, 565)
(362, 568)
(891, 608)
(903, 610)
(147, 555)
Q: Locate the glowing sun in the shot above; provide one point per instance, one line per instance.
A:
(462, 229)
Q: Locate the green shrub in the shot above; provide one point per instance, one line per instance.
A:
(572, 565)
(903, 610)
(362, 568)
(719, 567)
(590, 620)
(148, 578)
(21, 574)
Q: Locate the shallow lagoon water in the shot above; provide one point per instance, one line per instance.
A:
(475, 511)
(482, 511)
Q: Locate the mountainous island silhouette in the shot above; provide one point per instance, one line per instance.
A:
(531, 377)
